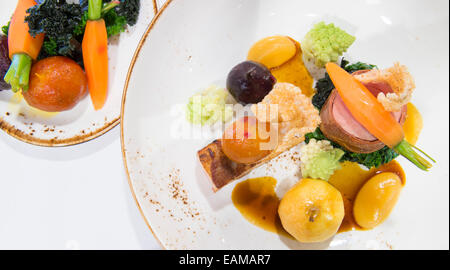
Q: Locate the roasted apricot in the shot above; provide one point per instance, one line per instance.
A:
(56, 84)
(243, 141)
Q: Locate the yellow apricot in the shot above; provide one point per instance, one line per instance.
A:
(272, 51)
(376, 199)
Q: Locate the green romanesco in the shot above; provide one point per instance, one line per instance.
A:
(325, 43)
(319, 159)
(209, 106)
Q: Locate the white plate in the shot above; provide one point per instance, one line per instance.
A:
(192, 44)
(82, 123)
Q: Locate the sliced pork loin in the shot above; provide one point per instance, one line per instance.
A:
(340, 126)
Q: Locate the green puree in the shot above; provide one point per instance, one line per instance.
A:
(209, 107)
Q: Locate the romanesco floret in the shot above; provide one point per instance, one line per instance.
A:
(319, 159)
(325, 43)
(209, 106)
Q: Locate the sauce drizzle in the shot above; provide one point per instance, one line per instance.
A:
(257, 201)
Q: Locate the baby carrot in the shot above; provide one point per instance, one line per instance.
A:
(365, 107)
(369, 112)
(23, 48)
(95, 54)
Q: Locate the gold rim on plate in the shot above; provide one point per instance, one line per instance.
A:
(124, 94)
(77, 139)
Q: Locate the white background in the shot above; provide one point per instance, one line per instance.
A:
(68, 198)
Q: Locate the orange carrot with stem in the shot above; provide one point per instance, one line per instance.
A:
(23, 47)
(95, 54)
(369, 112)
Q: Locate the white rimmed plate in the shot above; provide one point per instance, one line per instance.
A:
(82, 123)
(192, 44)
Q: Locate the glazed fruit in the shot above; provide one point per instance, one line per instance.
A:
(312, 211)
(243, 141)
(272, 51)
(283, 56)
(376, 199)
(249, 82)
(56, 84)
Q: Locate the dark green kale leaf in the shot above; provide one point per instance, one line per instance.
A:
(355, 67)
(115, 24)
(84, 5)
(324, 87)
(79, 29)
(375, 159)
(50, 47)
(5, 28)
(57, 19)
(130, 10)
(116, 19)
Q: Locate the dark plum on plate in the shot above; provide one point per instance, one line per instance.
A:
(4, 62)
(249, 82)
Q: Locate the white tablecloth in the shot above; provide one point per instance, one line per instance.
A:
(68, 198)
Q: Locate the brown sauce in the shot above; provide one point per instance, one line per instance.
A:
(257, 201)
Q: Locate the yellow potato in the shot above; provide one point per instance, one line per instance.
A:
(376, 199)
(312, 211)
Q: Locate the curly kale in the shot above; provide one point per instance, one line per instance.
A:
(324, 87)
(130, 10)
(115, 24)
(116, 19)
(57, 20)
(63, 24)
